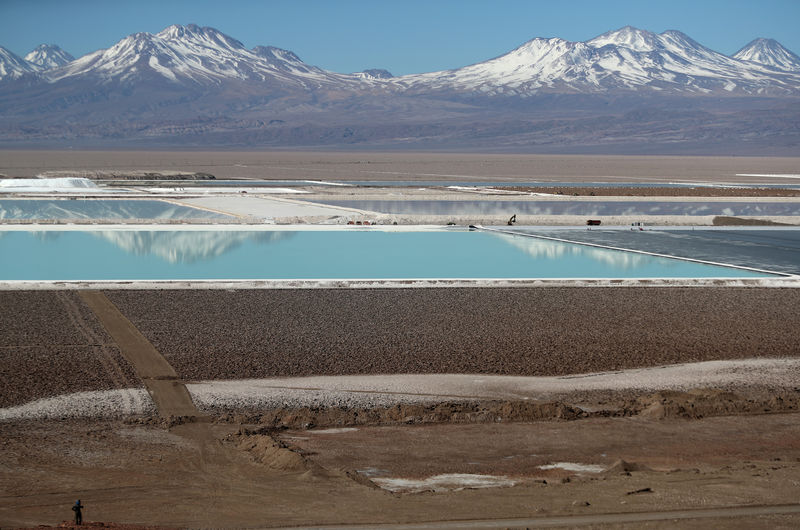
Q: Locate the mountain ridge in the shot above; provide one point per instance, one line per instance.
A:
(180, 46)
(48, 56)
(196, 86)
(627, 58)
(769, 52)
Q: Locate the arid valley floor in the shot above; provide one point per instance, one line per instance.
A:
(630, 406)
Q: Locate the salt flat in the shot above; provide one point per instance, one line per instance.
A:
(387, 390)
(268, 208)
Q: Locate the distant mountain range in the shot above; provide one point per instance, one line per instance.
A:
(627, 90)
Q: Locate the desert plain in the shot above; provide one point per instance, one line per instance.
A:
(469, 407)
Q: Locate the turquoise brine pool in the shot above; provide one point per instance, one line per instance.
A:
(100, 209)
(136, 254)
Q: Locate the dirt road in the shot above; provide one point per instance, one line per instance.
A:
(168, 393)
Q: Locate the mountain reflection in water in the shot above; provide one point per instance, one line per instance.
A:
(568, 207)
(553, 250)
(100, 209)
(187, 246)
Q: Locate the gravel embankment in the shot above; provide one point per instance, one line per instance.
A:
(51, 344)
(538, 331)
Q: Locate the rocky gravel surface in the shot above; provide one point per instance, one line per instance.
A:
(540, 331)
(51, 344)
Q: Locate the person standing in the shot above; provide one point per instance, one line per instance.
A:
(77, 509)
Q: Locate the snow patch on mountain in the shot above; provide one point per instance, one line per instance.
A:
(13, 66)
(193, 55)
(374, 73)
(769, 52)
(628, 58)
(48, 56)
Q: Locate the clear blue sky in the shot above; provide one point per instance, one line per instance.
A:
(403, 36)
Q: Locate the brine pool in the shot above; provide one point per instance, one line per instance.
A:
(100, 209)
(353, 253)
(570, 207)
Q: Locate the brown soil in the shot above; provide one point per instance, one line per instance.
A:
(459, 167)
(518, 449)
(136, 472)
(52, 344)
(538, 331)
(738, 221)
(664, 451)
(694, 404)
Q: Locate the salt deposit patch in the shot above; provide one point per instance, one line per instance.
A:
(333, 431)
(445, 482)
(222, 190)
(773, 175)
(388, 390)
(265, 207)
(61, 185)
(371, 472)
(572, 466)
(100, 403)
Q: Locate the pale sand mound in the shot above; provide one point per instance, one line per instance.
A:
(100, 403)
(386, 390)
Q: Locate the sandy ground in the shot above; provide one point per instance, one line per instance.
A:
(458, 167)
(126, 471)
(582, 446)
(541, 331)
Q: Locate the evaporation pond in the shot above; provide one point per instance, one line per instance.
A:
(569, 207)
(128, 254)
(100, 209)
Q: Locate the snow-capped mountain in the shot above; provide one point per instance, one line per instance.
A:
(13, 66)
(195, 86)
(48, 56)
(193, 55)
(627, 59)
(374, 73)
(769, 52)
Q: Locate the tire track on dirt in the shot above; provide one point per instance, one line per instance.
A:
(93, 339)
(162, 383)
(106, 358)
(212, 461)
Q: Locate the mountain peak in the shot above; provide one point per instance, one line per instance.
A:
(177, 30)
(195, 34)
(47, 56)
(13, 66)
(628, 37)
(192, 55)
(374, 73)
(770, 53)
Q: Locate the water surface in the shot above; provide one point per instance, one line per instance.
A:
(100, 209)
(326, 254)
(567, 207)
